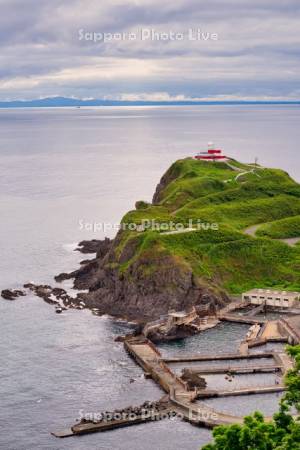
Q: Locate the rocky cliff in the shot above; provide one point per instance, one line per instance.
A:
(153, 284)
(146, 271)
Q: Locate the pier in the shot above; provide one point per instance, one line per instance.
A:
(217, 357)
(127, 420)
(180, 400)
(263, 368)
(186, 398)
(242, 391)
(242, 319)
(150, 359)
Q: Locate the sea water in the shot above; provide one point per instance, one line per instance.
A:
(59, 167)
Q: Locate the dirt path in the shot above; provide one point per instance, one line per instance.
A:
(291, 241)
(185, 230)
(243, 172)
(251, 231)
(237, 169)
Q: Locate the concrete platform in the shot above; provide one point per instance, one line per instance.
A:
(180, 398)
(242, 391)
(237, 369)
(217, 357)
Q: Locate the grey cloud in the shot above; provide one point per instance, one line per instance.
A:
(258, 40)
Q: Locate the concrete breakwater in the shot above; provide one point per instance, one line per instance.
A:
(181, 393)
(180, 398)
(146, 355)
(110, 420)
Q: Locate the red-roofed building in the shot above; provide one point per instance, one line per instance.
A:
(212, 154)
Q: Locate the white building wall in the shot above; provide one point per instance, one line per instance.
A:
(271, 299)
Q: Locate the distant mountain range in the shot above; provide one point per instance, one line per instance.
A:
(58, 102)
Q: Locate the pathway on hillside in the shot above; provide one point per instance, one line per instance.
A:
(245, 173)
(242, 171)
(291, 241)
(184, 230)
(237, 169)
(251, 231)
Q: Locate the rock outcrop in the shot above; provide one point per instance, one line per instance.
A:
(10, 294)
(136, 277)
(152, 285)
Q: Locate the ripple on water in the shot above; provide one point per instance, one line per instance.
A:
(246, 404)
(225, 337)
(62, 165)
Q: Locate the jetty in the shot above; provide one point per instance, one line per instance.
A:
(258, 368)
(180, 400)
(148, 357)
(243, 391)
(185, 397)
(117, 419)
(217, 357)
(250, 320)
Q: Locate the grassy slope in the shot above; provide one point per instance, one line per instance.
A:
(280, 229)
(225, 257)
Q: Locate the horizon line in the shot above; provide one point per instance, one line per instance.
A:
(60, 102)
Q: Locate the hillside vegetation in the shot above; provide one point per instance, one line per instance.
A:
(281, 229)
(223, 256)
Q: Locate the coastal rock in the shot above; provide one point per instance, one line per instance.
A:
(53, 296)
(88, 267)
(10, 294)
(193, 380)
(145, 272)
(101, 247)
(175, 334)
(64, 276)
(166, 179)
(141, 294)
(136, 277)
(84, 262)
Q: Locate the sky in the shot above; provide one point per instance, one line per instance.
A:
(150, 49)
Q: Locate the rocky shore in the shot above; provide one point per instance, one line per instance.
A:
(125, 282)
(12, 294)
(109, 292)
(136, 297)
(146, 272)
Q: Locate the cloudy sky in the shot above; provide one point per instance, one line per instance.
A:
(247, 49)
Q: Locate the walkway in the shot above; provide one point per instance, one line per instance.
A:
(180, 399)
(257, 368)
(243, 172)
(217, 357)
(150, 359)
(241, 319)
(251, 231)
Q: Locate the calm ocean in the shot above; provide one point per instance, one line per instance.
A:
(63, 167)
